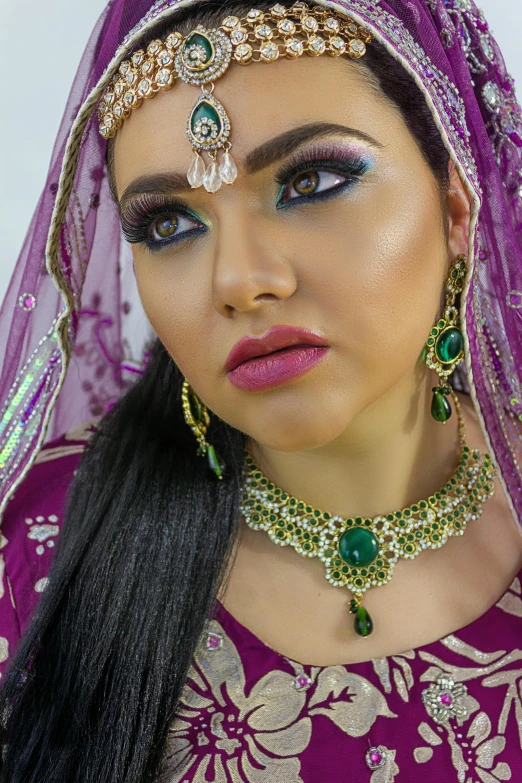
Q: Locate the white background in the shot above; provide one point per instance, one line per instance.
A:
(41, 43)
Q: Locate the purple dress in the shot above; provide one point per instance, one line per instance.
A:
(448, 711)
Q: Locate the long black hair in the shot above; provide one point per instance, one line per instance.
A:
(147, 541)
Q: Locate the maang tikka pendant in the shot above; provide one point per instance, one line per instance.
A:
(204, 57)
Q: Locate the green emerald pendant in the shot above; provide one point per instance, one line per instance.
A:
(440, 407)
(358, 547)
(449, 345)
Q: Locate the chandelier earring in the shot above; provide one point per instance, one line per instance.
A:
(198, 419)
(444, 348)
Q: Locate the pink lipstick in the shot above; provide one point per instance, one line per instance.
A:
(283, 354)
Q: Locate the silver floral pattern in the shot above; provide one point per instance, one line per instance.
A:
(444, 699)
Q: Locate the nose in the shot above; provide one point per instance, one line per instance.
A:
(248, 269)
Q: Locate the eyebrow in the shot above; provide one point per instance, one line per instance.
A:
(261, 157)
(275, 149)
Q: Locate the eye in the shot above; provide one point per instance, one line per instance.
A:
(170, 225)
(310, 182)
(165, 227)
(318, 179)
(156, 224)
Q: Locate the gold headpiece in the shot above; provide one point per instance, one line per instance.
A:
(204, 55)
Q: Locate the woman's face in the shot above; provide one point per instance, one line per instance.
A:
(335, 230)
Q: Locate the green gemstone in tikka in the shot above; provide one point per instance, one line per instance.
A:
(201, 42)
(205, 110)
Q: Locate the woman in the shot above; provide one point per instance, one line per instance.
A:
(318, 243)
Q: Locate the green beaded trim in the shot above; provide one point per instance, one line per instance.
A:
(427, 524)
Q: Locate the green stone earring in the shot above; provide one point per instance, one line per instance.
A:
(198, 419)
(444, 348)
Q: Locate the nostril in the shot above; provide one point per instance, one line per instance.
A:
(265, 298)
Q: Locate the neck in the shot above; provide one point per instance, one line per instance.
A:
(391, 455)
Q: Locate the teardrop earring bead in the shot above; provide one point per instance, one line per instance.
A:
(440, 406)
(196, 172)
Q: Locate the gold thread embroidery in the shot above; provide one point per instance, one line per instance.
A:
(226, 733)
(403, 679)
(477, 750)
(422, 755)
(271, 714)
(41, 533)
(511, 601)
(428, 735)
(354, 716)
(4, 649)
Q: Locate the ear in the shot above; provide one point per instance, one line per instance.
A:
(458, 203)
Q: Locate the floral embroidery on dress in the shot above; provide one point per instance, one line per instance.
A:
(483, 750)
(223, 734)
(81, 434)
(356, 702)
(43, 531)
(385, 770)
(511, 602)
(221, 730)
(444, 700)
(402, 673)
(477, 749)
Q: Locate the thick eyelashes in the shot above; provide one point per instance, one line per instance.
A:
(336, 174)
(333, 174)
(139, 218)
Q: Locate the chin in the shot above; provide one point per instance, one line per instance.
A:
(298, 428)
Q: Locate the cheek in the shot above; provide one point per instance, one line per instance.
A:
(175, 297)
(381, 272)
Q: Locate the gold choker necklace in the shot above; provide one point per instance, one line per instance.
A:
(359, 553)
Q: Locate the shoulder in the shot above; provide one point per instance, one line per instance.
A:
(30, 532)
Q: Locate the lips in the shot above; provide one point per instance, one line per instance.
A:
(283, 354)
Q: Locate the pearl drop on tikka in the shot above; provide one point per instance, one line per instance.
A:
(211, 180)
(213, 176)
(228, 169)
(196, 171)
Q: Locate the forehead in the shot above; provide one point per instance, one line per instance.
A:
(262, 101)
